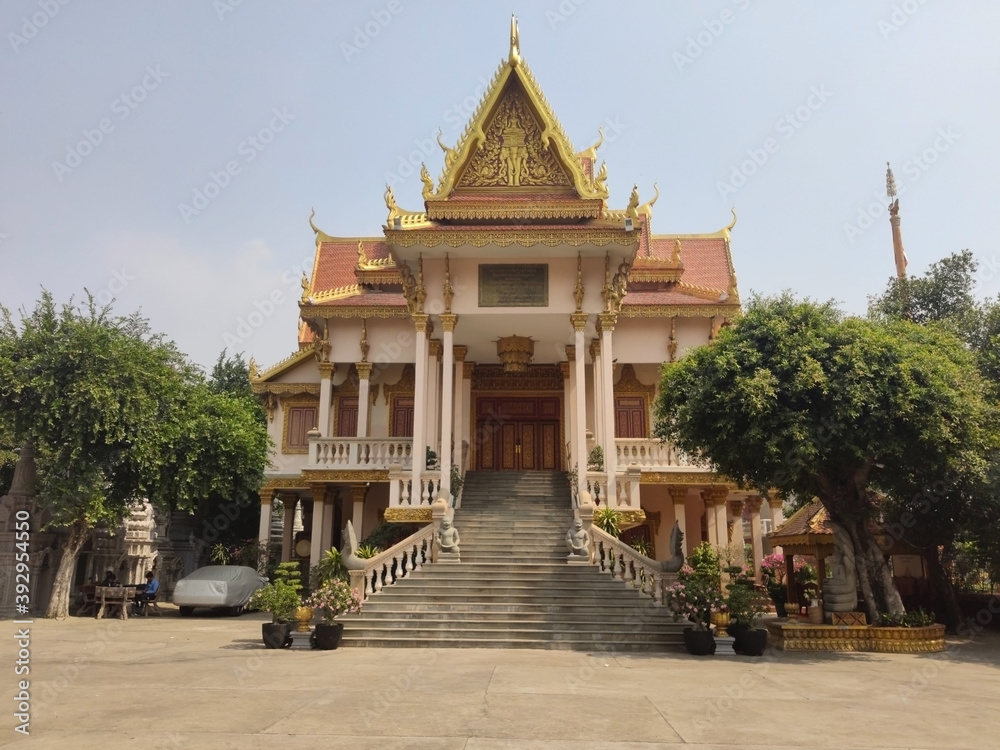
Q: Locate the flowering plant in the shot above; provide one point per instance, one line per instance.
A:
(335, 598)
(695, 597)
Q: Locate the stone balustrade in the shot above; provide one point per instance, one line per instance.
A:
(651, 454)
(618, 559)
(626, 488)
(394, 563)
(403, 494)
(359, 453)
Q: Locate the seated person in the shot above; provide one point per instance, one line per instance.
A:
(109, 579)
(146, 592)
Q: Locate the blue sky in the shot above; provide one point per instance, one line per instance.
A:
(115, 115)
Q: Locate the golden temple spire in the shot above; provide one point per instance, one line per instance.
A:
(897, 236)
(515, 43)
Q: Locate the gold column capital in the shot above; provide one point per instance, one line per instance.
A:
(579, 320)
(736, 508)
(359, 491)
(467, 369)
(714, 494)
(775, 502)
(434, 347)
(595, 348)
(288, 498)
(678, 493)
(571, 352)
(420, 321)
(608, 321)
(753, 503)
(326, 369)
(266, 495)
(448, 321)
(461, 351)
(364, 370)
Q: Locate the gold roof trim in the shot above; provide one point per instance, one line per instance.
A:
(527, 237)
(286, 389)
(342, 292)
(321, 236)
(492, 210)
(286, 364)
(705, 292)
(727, 310)
(354, 311)
(668, 274)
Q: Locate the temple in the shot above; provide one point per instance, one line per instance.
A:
(515, 323)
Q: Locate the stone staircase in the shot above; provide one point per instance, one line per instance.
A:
(513, 588)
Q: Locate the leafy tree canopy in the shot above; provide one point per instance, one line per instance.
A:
(799, 399)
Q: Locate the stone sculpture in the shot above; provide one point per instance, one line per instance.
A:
(448, 541)
(676, 548)
(578, 542)
(840, 590)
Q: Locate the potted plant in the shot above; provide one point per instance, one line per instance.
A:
(281, 598)
(695, 597)
(333, 599)
(746, 605)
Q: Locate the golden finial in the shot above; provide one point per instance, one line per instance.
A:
(362, 260)
(254, 370)
(364, 340)
(515, 43)
(733, 222)
(305, 287)
(390, 203)
(314, 227)
(448, 293)
(676, 256)
(450, 154)
(633, 203)
(647, 207)
(425, 177)
(890, 182)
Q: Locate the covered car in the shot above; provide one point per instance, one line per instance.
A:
(228, 586)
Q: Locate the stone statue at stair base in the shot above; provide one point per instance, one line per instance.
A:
(676, 560)
(446, 539)
(578, 544)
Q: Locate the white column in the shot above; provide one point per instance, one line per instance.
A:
(448, 321)
(736, 524)
(574, 446)
(419, 405)
(264, 530)
(288, 521)
(678, 494)
(579, 321)
(434, 393)
(459, 399)
(468, 417)
(364, 402)
(326, 542)
(326, 370)
(608, 321)
(721, 510)
(756, 536)
(595, 356)
(358, 494)
(318, 518)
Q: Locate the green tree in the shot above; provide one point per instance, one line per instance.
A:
(116, 415)
(798, 399)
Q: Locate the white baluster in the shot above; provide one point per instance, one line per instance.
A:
(406, 562)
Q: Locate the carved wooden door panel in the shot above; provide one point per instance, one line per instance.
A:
(518, 433)
(347, 416)
(402, 417)
(527, 447)
(550, 446)
(508, 447)
(630, 417)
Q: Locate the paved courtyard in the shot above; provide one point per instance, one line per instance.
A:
(207, 682)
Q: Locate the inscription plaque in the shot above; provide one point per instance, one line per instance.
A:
(514, 285)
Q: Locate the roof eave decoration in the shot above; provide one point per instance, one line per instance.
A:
(259, 381)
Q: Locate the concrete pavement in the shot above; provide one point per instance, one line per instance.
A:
(207, 682)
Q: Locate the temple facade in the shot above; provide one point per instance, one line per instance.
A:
(515, 323)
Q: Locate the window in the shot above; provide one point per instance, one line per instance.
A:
(299, 419)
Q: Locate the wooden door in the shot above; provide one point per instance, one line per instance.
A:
(518, 433)
(402, 417)
(630, 417)
(347, 416)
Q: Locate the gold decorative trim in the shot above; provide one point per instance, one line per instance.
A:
(490, 210)
(283, 483)
(726, 310)
(630, 385)
(285, 389)
(792, 637)
(354, 311)
(345, 475)
(340, 292)
(541, 378)
(287, 363)
(694, 478)
(523, 237)
(629, 518)
(643, 274)
(408, 515)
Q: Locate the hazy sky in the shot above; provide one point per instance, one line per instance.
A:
(116, 116)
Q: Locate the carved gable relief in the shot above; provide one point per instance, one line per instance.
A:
(514, 154)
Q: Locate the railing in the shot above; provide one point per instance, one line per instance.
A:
(360, 453)
(395, 563)
(653, 454)
(626, 488)
(402, 492)
(626, 564)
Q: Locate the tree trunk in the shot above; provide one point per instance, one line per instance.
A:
(951, 615)
(877, 586)
(62, 585)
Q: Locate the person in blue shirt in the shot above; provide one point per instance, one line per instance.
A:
(146, 593)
